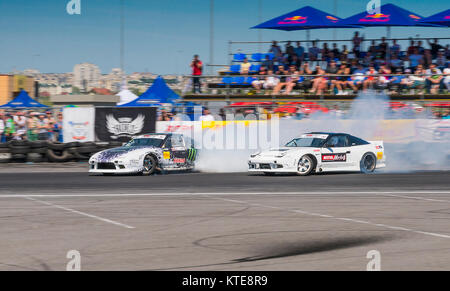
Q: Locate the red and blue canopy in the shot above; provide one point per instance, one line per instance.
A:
(304, 18)
(442, 18)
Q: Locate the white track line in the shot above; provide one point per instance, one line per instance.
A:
(369, 193)
(417, 198)
(81, 213)
(336, 218)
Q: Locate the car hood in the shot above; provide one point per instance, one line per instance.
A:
(113, 154)
(277, 152)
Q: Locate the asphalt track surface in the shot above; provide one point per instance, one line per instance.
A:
(232, 221)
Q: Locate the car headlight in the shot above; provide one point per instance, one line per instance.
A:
(255, 154)
(280, 155)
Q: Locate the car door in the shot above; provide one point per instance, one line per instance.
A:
(337, 153)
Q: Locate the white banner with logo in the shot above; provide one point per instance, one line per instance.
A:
(78, 124)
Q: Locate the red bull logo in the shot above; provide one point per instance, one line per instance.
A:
(415, 17)
(332, 19)
(447, 17)
(377, 17)
(294, 20)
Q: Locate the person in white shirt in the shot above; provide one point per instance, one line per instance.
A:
(447, 78)
(271, 82)
(207, 116)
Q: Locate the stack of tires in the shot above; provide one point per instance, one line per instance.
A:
(44, 151)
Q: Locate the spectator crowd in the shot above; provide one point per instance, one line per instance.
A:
(383, 65)
(30, 125)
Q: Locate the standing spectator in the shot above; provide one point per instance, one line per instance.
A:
(42, 127)
(447, 77)
(395, 48)
(197, 70)
(268, 63)
(207, 116)
(420, 47)
(164, 116)
(58, 128)
(435, 47)
(51, 124)
(415, 59)
(411, 48)
(336, 52)
(300, 51)
(21, 125)
(383, 47)
(2, 127)
(32, 125)
(10, 129)
(357, 40)
(276, 51)
(313, 52)
(289, 49)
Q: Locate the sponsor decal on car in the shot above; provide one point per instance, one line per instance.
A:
(179, 161)
(379, 155)
(334, 158)
(166, 155)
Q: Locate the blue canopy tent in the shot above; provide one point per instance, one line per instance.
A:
(157, 94)
(390, 15)
(23, 100)
(305, 18)
(442, 18)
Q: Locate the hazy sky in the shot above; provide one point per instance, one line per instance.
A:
(161, 35)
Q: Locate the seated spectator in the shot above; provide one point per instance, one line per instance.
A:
(383, 79)
(289, 81)
(341, 82)
(271, 82)
(245, 67)
(324, 51)
(357, 79)
(306, 82)
(259, 82)
(441, 59)
(434, 79)
(416, 80)
(395, 83)
(332, 69)
(370, 81)
(319, 82)
(427, 58)
(373, 49)
(395, 62)
(268, 63)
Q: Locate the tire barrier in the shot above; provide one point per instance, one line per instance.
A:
(54, 152)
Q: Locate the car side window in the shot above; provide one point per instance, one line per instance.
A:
(338, 141)
(177, 141)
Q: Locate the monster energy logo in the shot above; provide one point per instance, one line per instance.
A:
(192, 154)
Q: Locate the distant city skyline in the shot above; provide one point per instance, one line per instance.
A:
(161, 36)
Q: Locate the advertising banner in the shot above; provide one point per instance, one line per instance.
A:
(78, 124)
(121, 124)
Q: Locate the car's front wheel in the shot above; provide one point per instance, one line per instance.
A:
(305, 166)
(149, 165)
(368, 163)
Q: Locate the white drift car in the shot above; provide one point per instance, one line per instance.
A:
(320, 152)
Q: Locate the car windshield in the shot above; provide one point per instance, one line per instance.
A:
(145, 142)
(306, 142)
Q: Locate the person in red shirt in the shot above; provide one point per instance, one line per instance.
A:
(197, 70)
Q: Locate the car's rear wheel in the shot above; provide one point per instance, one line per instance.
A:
(149, 165)
(368, 163)
(305, 166)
